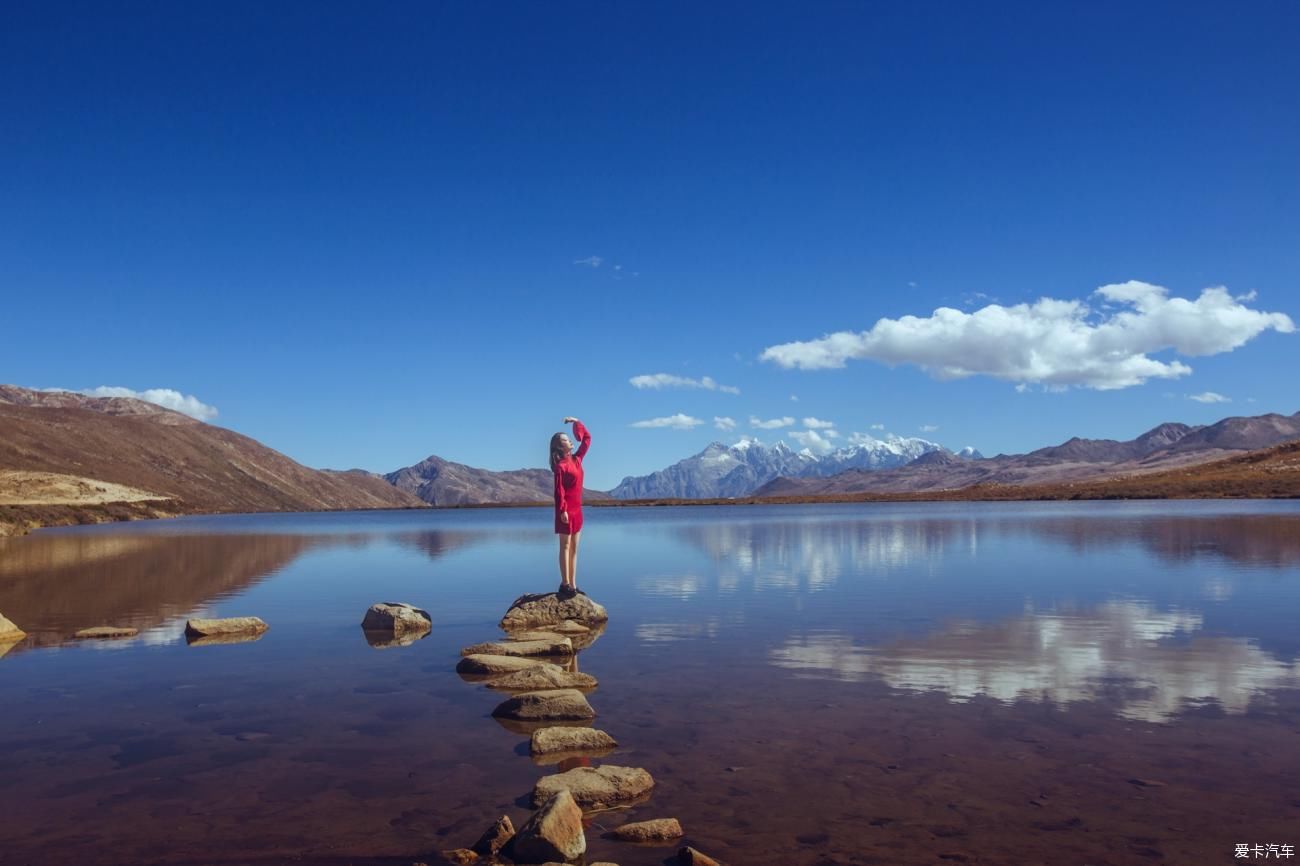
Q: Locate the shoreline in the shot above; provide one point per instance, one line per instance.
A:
(19, 520)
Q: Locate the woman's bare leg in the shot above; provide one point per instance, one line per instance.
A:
(573, 560)
(565, 541)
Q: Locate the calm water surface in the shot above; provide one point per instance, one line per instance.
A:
(932, 683)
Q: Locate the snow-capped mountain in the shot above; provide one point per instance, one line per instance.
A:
(738, 470)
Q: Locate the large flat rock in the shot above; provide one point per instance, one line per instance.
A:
(106, 631)
(548, 705)
(235, 625)
(488, 665)
(549, 741)
(542, 677)
(548, 609)
(561, 647)
(597, 787)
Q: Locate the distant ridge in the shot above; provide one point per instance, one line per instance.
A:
(441, 482)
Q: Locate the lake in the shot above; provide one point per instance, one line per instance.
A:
(984, 683)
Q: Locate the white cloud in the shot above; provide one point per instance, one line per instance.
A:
(676, 422)
(1209, 397)
(817, 424)
(659, 381)
(771, 424)
(862, 438)
(929, 428)
(590, 261)
(1052, 342)
(186, 404)
(812, 440)
(794, 398)
(877, 426)
(724, 423)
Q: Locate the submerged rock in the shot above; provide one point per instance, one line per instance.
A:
(106, 631)
(688, 856)
(552, 704)
(543, 676)
(235, 625)
(657, 830)
(494, 838)
(597, 787)
(396, 616)
(547, 609)
(459, 856)
(569, 627)
(9, 631)
(553, 833)
(490, 664)
(562, 740)
(561, 647)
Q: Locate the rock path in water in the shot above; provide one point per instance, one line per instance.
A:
(541, 630)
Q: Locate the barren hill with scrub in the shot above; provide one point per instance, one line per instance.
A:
(67, 458)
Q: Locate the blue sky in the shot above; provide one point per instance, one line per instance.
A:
(365, 233)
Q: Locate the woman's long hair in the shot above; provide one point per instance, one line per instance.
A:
(557, 450)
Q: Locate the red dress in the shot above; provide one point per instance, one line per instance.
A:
(568, 484)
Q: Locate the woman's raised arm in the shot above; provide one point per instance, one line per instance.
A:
(581, 433)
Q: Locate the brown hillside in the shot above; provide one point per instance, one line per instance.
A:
(189, 466)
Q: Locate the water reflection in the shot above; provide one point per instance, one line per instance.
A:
(58, 583)
(1149, 663)
(812, 554)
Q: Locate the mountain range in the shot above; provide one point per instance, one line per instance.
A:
(69, 458)
(738, 470)
(1164, 447)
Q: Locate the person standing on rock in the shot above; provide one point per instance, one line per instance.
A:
(567, 466)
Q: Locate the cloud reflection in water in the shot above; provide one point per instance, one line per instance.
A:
(1062, 657)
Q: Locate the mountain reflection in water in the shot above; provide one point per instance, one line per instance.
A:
(58, 583)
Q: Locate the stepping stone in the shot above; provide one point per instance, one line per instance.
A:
(549, 705)
(561, 647)
(106, 631)
(541, 677)
(552, 740)
(490, 664)
(597, 787)
(546, 609)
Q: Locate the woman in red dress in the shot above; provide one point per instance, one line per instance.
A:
(567, 466)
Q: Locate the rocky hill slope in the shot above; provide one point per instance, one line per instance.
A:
(172, 464)
(442, 482)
